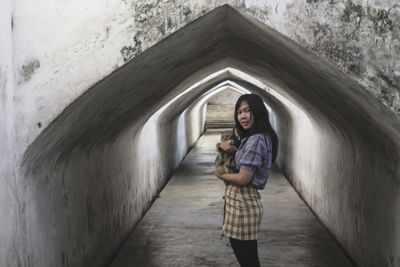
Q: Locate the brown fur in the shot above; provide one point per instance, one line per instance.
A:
(225, 161)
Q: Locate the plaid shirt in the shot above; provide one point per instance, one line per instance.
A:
(255, 154)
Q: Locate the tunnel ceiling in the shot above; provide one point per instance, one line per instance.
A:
(222, 38)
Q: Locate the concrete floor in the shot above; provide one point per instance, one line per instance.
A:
(183, 226)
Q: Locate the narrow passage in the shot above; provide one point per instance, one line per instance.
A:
(183, 226)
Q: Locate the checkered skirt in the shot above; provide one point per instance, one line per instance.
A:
(243, 212)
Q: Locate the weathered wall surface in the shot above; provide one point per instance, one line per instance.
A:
(82, 202)
(73, 45)
(97, 195)
(9, 205)
(80, 207)
(60, 50)
(86, 41)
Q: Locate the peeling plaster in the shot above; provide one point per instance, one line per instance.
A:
(358, 38)
(339, 31)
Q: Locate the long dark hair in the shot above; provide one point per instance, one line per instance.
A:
(261, 120)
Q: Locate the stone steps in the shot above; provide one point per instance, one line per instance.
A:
(219, 116)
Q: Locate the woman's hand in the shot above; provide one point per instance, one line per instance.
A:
(218, 174)
(242, 178)
(224, 145)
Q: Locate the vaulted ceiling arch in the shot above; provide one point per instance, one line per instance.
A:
(222, 38)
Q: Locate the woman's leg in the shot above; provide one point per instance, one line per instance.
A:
(246, 252)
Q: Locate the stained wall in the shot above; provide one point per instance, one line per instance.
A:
(53, 53)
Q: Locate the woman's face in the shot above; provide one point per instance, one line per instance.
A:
(244, 115)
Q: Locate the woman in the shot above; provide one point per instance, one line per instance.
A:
(257, 151)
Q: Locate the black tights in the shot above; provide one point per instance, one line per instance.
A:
(246, 252)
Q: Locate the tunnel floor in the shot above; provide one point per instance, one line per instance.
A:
(183, 226)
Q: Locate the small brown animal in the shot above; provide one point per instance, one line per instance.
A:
(225, 161)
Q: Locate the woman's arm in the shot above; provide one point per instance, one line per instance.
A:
(242, 178)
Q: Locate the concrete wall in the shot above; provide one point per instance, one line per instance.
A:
(81, 205)
(73, 45)
(10, 207)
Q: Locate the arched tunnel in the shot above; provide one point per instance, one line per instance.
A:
(94, 171)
